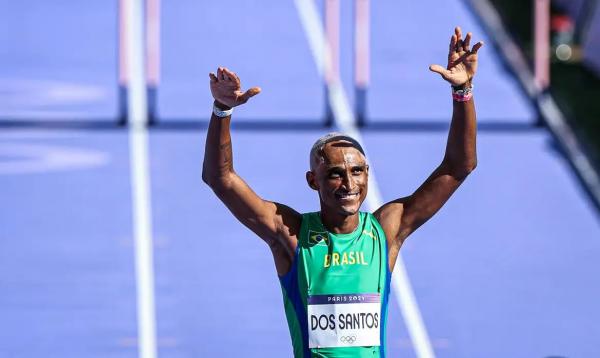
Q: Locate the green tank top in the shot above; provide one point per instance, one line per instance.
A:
(336, 292)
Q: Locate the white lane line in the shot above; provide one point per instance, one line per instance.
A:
(143, 243)
(344, 119)
(140, 180)
(310, 19)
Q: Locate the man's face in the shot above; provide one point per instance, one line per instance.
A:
(340, 177)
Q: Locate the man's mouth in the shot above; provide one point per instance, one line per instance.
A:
(346, 196)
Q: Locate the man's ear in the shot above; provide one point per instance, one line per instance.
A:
(311, 180)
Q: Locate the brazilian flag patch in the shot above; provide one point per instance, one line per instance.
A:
(318, 237)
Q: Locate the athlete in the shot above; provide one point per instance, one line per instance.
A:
(335, 265)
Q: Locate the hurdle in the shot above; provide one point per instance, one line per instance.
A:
(361, 55)
(151, 28)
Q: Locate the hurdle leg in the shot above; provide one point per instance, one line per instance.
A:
(152, 21)
(332, 53)
(361, 58)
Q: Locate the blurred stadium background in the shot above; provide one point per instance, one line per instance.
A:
(111, 245)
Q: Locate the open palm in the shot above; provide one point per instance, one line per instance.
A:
(226, 88)
(462, 61)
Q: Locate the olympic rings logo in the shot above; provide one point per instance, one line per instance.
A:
(348, 339)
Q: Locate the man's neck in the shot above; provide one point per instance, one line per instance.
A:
(339, 224)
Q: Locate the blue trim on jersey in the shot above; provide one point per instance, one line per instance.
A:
(290, 285)
(384, 311)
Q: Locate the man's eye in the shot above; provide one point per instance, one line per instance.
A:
(334, 175)
(357, 170)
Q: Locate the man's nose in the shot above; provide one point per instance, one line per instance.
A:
(349, 182)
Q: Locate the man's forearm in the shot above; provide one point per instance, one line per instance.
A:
(218, 154)
(461, 153)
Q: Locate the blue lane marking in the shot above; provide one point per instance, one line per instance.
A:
(266, 47)
(66, 264)
(65, 64)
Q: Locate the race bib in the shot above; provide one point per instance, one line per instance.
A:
(348, 320)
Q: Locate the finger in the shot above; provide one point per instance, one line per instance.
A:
(467, 42)
(459, 40)
(213, 78)
(220, 74)
(250, 93)
(230, 74)
(453, 44)
(477, 47)
(438, 69)
(226, 74)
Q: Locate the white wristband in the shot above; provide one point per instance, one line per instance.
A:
(221, 113)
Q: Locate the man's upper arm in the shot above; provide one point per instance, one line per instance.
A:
(403, 216)
(273, 222)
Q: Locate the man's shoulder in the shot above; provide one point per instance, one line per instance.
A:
(310, 218)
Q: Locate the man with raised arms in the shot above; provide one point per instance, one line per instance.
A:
(335, 265)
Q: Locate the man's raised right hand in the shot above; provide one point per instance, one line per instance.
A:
(226, 88)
